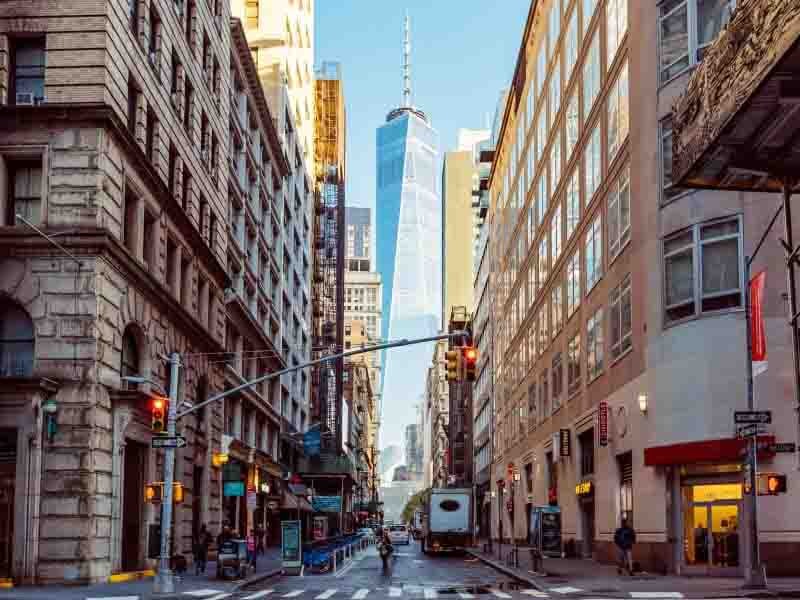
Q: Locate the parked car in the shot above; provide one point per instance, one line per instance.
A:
(232, 560)
(399, 534)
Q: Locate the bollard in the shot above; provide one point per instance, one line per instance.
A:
(334, 561)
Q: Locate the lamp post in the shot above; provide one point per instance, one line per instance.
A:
(514, 480)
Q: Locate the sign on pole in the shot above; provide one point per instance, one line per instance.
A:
(602, 419)
(167, 441)
(747, 430)
(783, 447)
(763, 417)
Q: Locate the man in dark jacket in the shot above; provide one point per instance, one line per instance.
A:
(625, 538)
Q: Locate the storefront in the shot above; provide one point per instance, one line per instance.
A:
(585, 492)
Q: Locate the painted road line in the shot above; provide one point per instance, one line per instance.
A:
(327, 594)
(566, 590)
(220, 596)
(202, 593)
(360, 594)
(395, 592)
(260, 594)
(656, 595)
(535, 593)
(498, 594)
(293, 594)
(430, 593)
(115, 598)
(465, 595)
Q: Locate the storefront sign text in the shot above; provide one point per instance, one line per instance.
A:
(584, 488)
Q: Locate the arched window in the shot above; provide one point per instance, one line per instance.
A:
(16, 340)
(130, 360)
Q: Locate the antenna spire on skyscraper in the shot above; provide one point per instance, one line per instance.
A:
(406, 64)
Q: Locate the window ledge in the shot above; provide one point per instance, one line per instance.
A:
(703, 315)
(593, 378)
(622, 248)
(664, 203)
(687, 70)
(621, 356)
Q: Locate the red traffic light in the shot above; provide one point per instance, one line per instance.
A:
(471, 354)
(158, 409)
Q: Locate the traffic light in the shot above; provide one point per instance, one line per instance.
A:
(158, 414)
(153, 492)
(772, 484)
(453, 365)
(177, 492)
(470, 363)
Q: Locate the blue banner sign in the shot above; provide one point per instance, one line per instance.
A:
(312, 442)
(326, 504)
(233, 488)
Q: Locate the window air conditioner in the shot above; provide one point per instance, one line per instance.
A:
(25, 99)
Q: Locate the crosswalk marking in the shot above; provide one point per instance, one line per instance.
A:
(430, 594)
(395, 592)
(465, 595)
(656, 595)
(293, 594)
(499, 594)
(327, 594)
(260, 594)
(535, 593)
(116, 598)
(361, 594)
(220, 596)
(566, 590)
(203, 593)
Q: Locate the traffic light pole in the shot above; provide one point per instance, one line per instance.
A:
(164, 582)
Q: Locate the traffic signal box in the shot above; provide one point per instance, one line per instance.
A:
(470, 363)
(158, 414)
(771, 484)
(454, 366)
(154, 492)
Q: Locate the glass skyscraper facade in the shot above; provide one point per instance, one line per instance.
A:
(409, 243)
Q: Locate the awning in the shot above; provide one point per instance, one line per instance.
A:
(304, 505)
(292, 502)
(298, 489)
(724, 450)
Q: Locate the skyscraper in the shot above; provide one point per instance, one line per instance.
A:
(358, 223)
(409, 224)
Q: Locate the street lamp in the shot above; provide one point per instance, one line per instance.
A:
(140, 379)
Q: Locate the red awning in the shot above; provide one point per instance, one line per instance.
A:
(724, 450)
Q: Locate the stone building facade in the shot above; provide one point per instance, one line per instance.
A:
(114, 136)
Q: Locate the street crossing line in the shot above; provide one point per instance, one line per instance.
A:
(203, 593)
(260, 594)
(220, 596)
(566, 590)
(465, 595)
(395, 592)
(293, 594)
(498, 594)
(535, 593)
(115, 598)
(361, 594)
(656, 595)
(327, 594)
(430, 593)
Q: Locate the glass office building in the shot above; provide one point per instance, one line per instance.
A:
(409, 243)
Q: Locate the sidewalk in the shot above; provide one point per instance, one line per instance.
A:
(585, 576)
(267, 565)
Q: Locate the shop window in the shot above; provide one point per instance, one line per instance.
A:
(16, 340)
(586, 442)
(27, 75)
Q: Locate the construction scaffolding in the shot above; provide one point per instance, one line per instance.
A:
(328, 259)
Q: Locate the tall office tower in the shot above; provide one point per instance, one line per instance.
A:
(409, 225)
(281, 38)
(358, 244)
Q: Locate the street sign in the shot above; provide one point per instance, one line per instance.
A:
(165, 441)
(747, 430)
(783, 447)
(752, 416)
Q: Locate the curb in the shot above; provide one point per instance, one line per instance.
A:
(257, 579)
(511, 572)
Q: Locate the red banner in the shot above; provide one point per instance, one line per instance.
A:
(758, 337)
(602, 423)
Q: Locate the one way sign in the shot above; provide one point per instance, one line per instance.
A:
(164, 441)
(743, 417)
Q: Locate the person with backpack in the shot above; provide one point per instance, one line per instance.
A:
(625, 538)
(385, 549)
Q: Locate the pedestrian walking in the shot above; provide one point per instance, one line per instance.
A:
(200, 547)
(625, 538)
(259, 540)
(251, 548)
(385, 549)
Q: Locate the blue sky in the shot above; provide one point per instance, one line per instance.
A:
(463, 52)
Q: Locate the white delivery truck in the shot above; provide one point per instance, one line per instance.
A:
(447, 523)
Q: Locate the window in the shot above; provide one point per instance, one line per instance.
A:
(133, 15)
(207, 57)
(154, 42)
(555, 91)
(586, 442)
(686, 28)
(133, 105)
(625, 463)
(594, 253)
(188, 107)
(531, 223)
(594, 345)
(571, 44)
(591, 77)
(589, 6)
(620, 317)
(541, 135)
(251, 14)
(618, 113)
(149, 240)
(668, 191)
(555, 234)
(573, 283)
(16, 340)
(574, 364)
(716, 283)
(172, 279)
(557, 370)
(186, 190)
(541, 75)
(555, 162)
(25, 183)
(544, 396)
(573, 125)
(541, 198)
(573, 203)
(532, 288)
(543, 270)
(190, 18)
(619, 213)
(557, 306)
(151, 137)
(542, 328)
(616, 26)
(28, 71)
(529, 478)
(129, 357)
(592, 164)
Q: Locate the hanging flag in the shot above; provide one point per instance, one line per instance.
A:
(758, 336)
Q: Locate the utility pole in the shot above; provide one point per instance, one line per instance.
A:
(164, 582)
